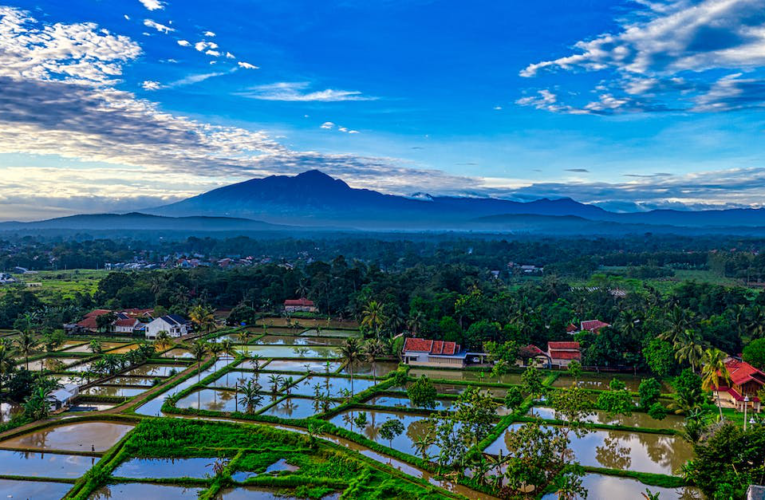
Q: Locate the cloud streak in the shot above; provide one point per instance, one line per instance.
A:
(299, 92)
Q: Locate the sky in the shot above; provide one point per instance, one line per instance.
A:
(111, 106)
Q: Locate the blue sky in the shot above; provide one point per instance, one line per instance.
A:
(110, 106)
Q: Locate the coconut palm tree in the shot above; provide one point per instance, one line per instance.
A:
(251, 395)
(373, 317)
(95, 347)
(714, 372)
(302, 289)
(202, 317)
(199, 350)
(678, 321)
(415, 322)
(372, 349)
(163, 341)
(26, 344)
(690, 347)
(351, 352)
(7, 363)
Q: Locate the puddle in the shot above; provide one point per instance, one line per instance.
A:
(332, 385)
(156, 370)
(159, 468)
(296, 408)
(33, 489)
(113, 390)
(219, 400)
(637, 419)
(381, 368)
(283, 351)
(600, 487)
(279, 365)
(641, 452)
(145, 491)
(83, 436)
(441, 404)
(29, 464)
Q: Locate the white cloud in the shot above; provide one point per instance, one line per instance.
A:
(327, 125)
(331, 126)
(127, 18)
(153, 4)
(157, 26)
(247, 65)
(297, 91)
(203, 45)
(184, 43)
(151, 85)
(209, 34)
(213, 53)
(229, 55)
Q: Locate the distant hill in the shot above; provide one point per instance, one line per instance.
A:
(141, 222)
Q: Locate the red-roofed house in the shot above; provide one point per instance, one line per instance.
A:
(593, 325)
(530, 353)
(745, 381)
(571, 329)
(563, 353)
(424, 352)
(299, 305)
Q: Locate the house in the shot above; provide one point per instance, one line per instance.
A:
(593, 325)
(61, 398)
(755, 492)
(745, 382)
(299, 305)
(563, 353)
(90, 321)
(6, 278)
(532, 355)
(126, 324)
(173, 324)
(424, 352)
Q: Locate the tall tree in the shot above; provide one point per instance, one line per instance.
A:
(713, 373)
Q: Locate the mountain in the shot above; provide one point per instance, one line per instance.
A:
(141, 222)
(314, 198)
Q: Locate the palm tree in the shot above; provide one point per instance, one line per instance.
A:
(6, 363)
(26, 344)
(203, 317)
(245, 335)
(251, 395)
(215, 349)
(351, 351)
(373, 317)
(199, 350)
(689, 347)
(163, 341)
(256, 359)
(228, 348)
(372, 349)
(713, 372)
(678, 321)
(95, 347)
(302, 289)
(276, 382)
(395, 321)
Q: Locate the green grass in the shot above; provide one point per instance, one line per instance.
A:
(62, 284)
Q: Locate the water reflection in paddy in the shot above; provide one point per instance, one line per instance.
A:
(156, 370)
(600, 487)
(283, 351)
(142, 381)
(298, 341)
(441, 404)
(281, 365)
(69, 344)
(495, 392)
(637, 419)
(335, 386)
(83, 406)
(145, 491)
(124, 350)
(415, 425)
(219, 400)
(53, 364)
(331, 333)
(33, 489)
(83, 436)
(466, 375)
(381, 368)
(113, 390)
(601, 383)
(293, 407)
(33, 464)
(239, 378)
(642, 452)
(178, 352)
(252, 492)
(158, 468)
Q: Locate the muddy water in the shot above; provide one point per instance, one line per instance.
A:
(80, 348)
(106, 346)
(22, 463)
(156, 370)
(600, 383)
(69, 344)
(124, 350)
(53, 364)
(622, 450)
(415, 426)
(252, 492)
(159, 468)
(600, 487)
(294, 407)
(33, 489)
(332, 385)
(331, 333)
(298, 341)
(467, 376)
(178, 352)
(82, 367)
(153, 407)
(280, 365)
(441, 404)
(637, 419)
(381, 368)
(218, 400)
(145, 491)
(283, 351)
(113, 390)
(82, 436)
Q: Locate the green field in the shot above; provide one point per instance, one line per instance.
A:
(61, 283)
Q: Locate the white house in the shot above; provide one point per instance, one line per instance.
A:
(6, 278)
(173, 324)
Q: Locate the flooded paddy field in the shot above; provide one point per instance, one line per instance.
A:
(456, 389)
(33, 489)
(283, 351)
(53, 465)
(601, 382)
(135, 381)
(327, 332)
(70, 345)
(81, 436)
(600, 487)
(83, 406)
(295, 407)
(637, 419)
(145, 491)
(52, 364)
(298, 341)
(159, 468)
(255, 492)
(156, 370)
(113, 390)
(280, 365)
(381, 368)
(8, 410)
(178, 352)
(335, 386)
(219, 400)
(403, 401)
(613, 449)
(239, 378)
(466, 376)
